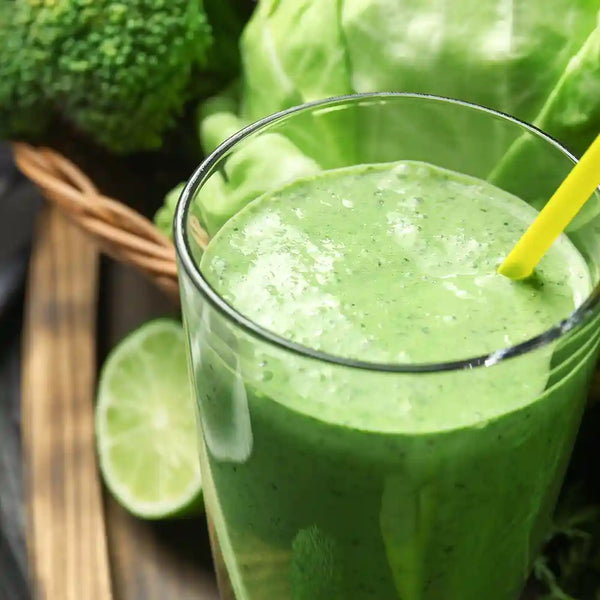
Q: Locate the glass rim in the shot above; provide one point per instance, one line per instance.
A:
(186, 260)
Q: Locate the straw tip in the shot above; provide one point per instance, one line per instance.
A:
(514, 270)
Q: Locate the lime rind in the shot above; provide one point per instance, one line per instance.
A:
(146, 434)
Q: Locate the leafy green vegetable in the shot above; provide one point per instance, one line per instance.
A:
(294, 52)
(572, 109)
(569, 569)
(118, 71)
(541, 65)
(263, 162)
(570, 566)
(164, 215)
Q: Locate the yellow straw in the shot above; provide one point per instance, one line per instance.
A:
(560, 210)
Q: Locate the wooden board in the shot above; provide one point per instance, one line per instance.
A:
(65, 525)
(82, 545)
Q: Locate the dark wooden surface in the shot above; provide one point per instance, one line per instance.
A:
(13, 557)
(19, 203)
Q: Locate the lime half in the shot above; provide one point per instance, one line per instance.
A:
(145, 424)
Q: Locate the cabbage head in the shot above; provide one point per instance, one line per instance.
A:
(536, 60)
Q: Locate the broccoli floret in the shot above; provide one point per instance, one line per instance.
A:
(23, 109)
(117, 70)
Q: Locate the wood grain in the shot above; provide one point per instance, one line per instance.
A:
(159, 561)
(65, 522)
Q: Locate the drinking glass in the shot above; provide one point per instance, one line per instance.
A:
(306, 502)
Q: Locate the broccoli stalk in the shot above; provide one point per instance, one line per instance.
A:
(119, 72)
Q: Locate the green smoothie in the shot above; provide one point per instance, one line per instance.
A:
(336, 482)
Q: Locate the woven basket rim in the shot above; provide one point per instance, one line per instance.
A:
(120, 231)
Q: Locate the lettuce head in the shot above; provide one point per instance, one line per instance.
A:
(535, 60)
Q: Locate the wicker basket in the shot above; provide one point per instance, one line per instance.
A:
(120, 231)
